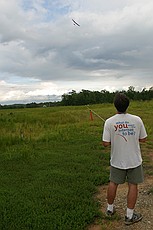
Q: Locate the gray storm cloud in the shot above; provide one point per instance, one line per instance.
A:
(39, 41)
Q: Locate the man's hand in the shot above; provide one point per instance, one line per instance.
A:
(105, 144)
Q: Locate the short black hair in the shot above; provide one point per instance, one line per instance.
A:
(121, 102)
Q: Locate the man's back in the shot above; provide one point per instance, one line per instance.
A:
(124, 130)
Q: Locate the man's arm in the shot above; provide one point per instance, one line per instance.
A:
(105, 144)
(106, 135)
(143, 140)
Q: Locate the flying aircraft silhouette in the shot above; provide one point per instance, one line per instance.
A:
(75, 23)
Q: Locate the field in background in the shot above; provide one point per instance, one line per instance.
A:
(51, 162)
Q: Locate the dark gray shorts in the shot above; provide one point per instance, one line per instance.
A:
(132, 175)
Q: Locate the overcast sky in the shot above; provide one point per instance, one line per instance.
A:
(44, 55)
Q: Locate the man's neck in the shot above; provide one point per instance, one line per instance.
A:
(121, 112)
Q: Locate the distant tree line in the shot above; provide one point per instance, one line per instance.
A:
(30, 105)
(95, 97)
(85, 97)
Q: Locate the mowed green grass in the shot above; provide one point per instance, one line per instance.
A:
(51, 162)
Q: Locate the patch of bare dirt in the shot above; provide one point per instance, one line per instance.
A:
(144, 206)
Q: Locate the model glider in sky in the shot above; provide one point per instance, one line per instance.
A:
(75, 23)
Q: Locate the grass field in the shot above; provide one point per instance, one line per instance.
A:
(51, 162)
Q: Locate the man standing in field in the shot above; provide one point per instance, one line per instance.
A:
(123, 132)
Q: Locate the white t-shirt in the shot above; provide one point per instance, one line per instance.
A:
(124, 132)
